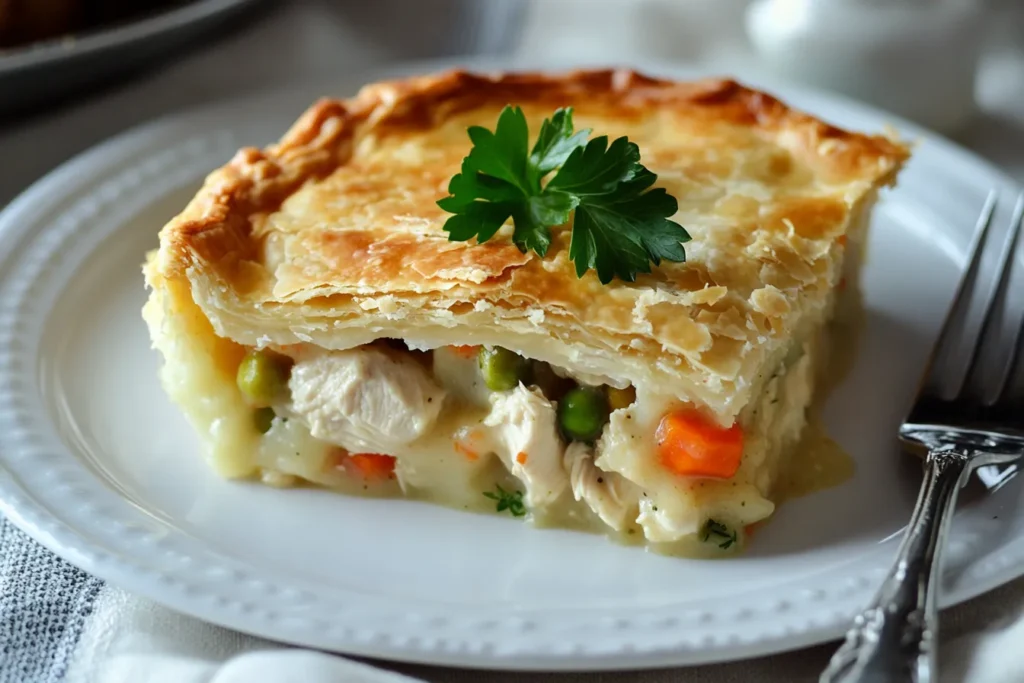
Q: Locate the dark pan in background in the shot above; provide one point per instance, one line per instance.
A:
(59, 52)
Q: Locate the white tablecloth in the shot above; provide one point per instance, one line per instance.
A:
(120, 638)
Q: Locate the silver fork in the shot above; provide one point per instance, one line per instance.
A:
(967, 415)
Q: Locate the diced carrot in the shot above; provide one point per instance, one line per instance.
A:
(691, 445)
(521, 457)
(373, 465)
(842, 240)
(463, 447)
(465, 351)
(468, 442)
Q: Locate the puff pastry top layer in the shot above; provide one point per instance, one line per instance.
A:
(332, 235)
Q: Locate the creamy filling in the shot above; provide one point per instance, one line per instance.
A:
(445, 436)
(451, 439)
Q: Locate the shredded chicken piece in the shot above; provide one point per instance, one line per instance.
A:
(365, 399)
(611, 496)
(526, 437)
(666, 522)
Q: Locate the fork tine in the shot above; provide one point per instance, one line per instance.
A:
(948, 338)
(1004, 274)
(1001, 281)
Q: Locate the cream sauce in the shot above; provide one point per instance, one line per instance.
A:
(816, 463)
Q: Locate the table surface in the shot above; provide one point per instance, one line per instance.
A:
(312, 40)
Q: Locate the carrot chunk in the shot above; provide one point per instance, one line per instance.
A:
(466, 450)
(373, 465)
(691, 445)
(465, 351)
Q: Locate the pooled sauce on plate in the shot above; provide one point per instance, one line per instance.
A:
(818, 462)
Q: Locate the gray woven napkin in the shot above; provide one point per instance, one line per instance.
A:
(44, 604)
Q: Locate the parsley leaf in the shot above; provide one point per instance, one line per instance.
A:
(555, 142)
(620, 224)
(723, 536)
(507, 500)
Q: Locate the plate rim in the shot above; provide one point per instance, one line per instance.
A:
(32, 517)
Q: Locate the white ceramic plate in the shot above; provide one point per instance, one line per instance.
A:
(97, 465)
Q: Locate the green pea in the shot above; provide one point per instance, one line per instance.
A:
(263, 376)
(502, 369)
(262, 418)
(582, 413)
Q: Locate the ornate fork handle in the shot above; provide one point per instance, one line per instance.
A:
(893, 640)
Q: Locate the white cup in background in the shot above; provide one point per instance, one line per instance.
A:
(916, 58)
(630, 31)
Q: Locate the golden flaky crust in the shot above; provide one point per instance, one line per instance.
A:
(332, 236)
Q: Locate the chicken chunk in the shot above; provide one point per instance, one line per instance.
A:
(460, 377)
(611, 496)
(526, 439)
(365, 399)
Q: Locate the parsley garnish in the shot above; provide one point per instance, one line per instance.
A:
(719, 531)
(507, 500)
(620, 224)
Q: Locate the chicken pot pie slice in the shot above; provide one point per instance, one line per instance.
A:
(317, 324)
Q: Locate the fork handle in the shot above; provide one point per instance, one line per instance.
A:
(893, 640)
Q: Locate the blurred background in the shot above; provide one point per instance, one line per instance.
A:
(74, 72)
